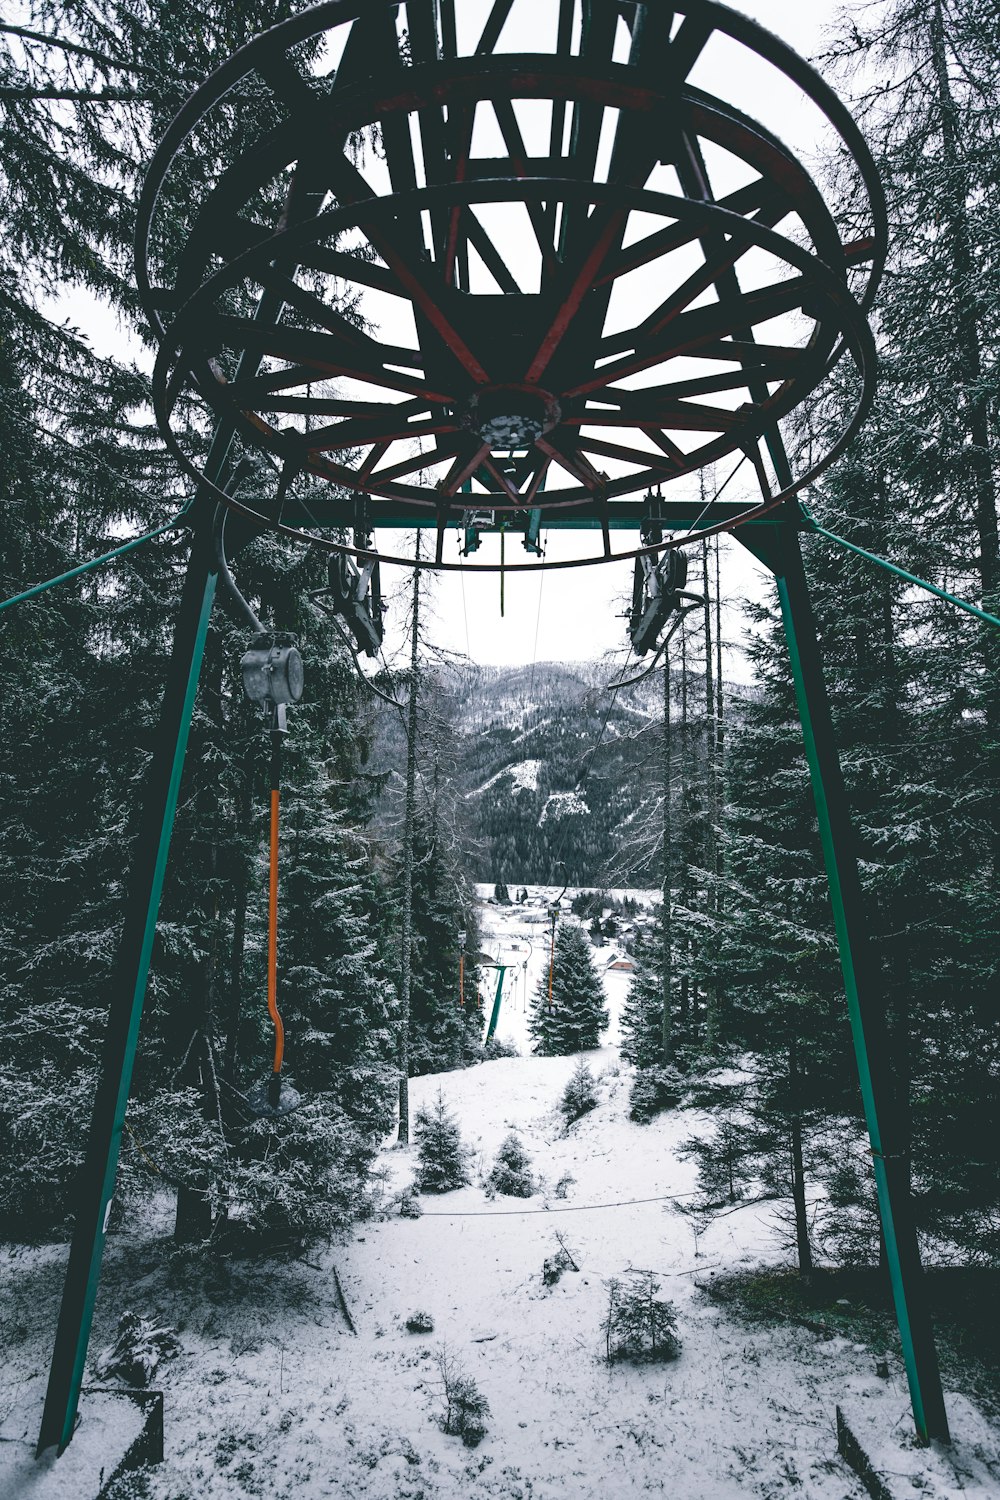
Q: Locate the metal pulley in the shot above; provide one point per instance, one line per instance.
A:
(272, 669)
(659, 588)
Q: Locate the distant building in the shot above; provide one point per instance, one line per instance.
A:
(620, 964)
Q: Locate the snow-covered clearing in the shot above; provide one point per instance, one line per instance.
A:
(272, 1395)
(523, 777)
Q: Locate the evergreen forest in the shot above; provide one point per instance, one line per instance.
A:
(691, 787)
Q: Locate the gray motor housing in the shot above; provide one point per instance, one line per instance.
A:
(272, 669)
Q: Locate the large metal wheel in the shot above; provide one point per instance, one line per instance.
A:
(449, 254)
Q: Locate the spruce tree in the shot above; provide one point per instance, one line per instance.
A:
(577, 1014)
(442, 1156)
(511, 1173)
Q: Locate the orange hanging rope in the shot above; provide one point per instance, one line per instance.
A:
(461, 980)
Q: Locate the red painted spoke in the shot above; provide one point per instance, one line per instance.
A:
(605, 236)
(351, 187)
(463, 468)
(629, 455)
(537, 479)
(503, 480)
(701, 330)
(575, 463)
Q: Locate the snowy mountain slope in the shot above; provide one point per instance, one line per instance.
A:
(273, 1396)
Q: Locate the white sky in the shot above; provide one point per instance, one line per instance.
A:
(571, 615)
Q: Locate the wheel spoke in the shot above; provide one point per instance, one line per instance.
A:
(757, 197)
(630, 455)
(465, 465)
(351, 187)
(603, 239)
(514, 141)
(356, 434)
(494, 25)
(575, 463)
(681, 417)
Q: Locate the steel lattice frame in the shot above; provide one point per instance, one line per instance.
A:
(500, 223)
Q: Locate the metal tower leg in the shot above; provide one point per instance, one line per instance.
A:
(97, 1182)
(781, 553)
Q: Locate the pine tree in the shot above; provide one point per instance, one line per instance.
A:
(577, 1014)
(511, 1173)
(443, 1158)
(579, 1096)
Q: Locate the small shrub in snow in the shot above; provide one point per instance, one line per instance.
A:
(409, 1203)
(511, 1171)
(496, 1048)
(555, 1265)
(443, 1158)
(563, 1186)
(137, 1350)
(420, 1322)
(654, 1090)
(580, 1094)
(466, 1408)
(639, 1325)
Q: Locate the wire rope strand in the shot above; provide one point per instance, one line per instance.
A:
(95, 562)
(881, 562)
(570, 1208)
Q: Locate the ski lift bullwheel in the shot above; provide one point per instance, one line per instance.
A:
(511, 253)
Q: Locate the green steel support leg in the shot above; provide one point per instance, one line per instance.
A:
(781, 553)
(97, 1183)
(494, 1018)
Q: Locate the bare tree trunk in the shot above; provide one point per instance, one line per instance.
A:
(802, 1244)
(666, 935)
(409, 821)
(711, 796)
(688, 1005)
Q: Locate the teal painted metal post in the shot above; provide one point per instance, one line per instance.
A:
(865, 1002)
(494, 1018)
(97, 1183)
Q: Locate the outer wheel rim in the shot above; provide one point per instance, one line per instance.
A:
(779, 401)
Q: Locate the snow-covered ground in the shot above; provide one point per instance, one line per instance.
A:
(272, 1395)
